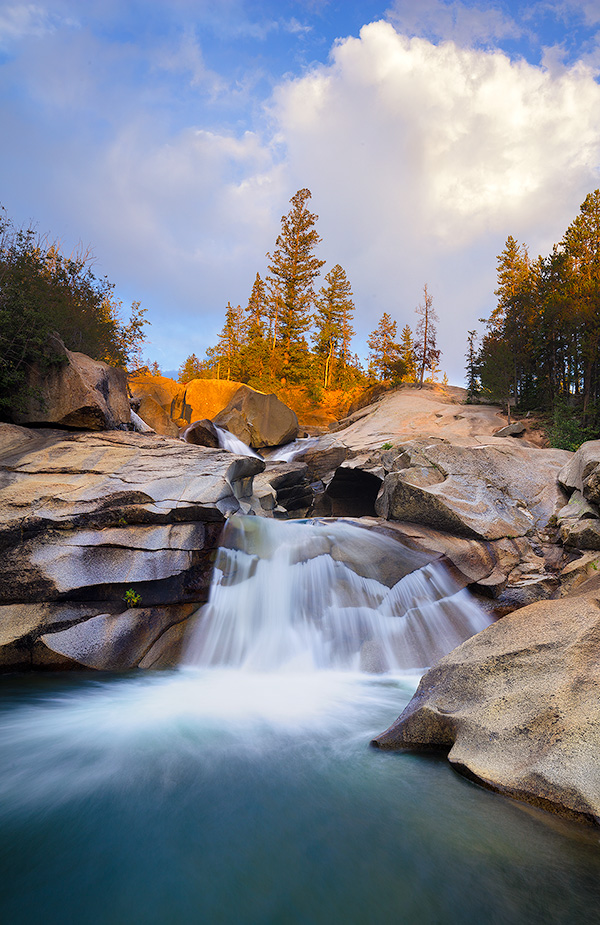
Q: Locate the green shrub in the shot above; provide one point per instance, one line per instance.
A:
(567, 430)
(131, 598)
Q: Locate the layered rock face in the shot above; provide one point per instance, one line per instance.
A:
(517, 707)
(107, 541)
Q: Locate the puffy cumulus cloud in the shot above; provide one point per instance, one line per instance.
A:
(422, 158)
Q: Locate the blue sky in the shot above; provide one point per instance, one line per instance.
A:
(169, 137)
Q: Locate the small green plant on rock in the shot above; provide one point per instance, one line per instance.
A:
(387, 446)
(131, 598)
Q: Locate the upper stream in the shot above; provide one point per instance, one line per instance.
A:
(241, 789)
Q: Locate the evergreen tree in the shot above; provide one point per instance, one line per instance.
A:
(231, 341)
(426, 352)
(332, 319)
(472, 369)
(513, 272)
(384, 351)
(191, 368)
(255, 351)
(581, 244)
(43, 292)
(293, 267)
(407, 353)
(496, 370)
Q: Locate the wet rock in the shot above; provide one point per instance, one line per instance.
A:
(116, 642)
(202, 433)
(323, 457)
(517, 707)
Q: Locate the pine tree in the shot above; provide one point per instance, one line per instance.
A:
(231, 341)
(472, 367)
(581, 244)
(407, 353)
(513, 271)
(332, 319)
(190, 369)
(255, 351)
(385, 352)
(292, 269)
(426, 353)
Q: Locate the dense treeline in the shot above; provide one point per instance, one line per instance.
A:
(540, 349)
(291, 334)
(42, 292)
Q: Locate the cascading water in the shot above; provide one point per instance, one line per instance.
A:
(289, 452)
(231, 443)
(240, 788)
(316, 595)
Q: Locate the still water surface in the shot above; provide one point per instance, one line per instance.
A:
(218, 796)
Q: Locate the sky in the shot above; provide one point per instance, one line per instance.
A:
(168, 138)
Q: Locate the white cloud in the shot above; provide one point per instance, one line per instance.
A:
(418, 155)
(19, 20)
(452, 19)
(186, 57)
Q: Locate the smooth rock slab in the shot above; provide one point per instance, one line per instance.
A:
(517, 707)
(483, 491)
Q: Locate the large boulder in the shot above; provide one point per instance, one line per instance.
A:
(517, 707)
(142, 384)
(76, 392)
(257, 419)
(202, 433)
(156, 417)
(480, 491)
(97, 525)
(576, 472)
(202, 398)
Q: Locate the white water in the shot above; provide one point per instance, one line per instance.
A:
(301, 596)
(289, 452)
(233, 444)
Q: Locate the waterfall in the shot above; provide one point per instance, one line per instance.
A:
(289, 452)
(228, 441)
(308, 595)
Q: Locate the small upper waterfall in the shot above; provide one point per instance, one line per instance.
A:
(305, 595)
(228, 441)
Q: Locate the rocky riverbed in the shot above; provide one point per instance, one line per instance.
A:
(108, 539)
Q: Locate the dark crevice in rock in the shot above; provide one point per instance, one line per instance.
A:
(351, 493)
